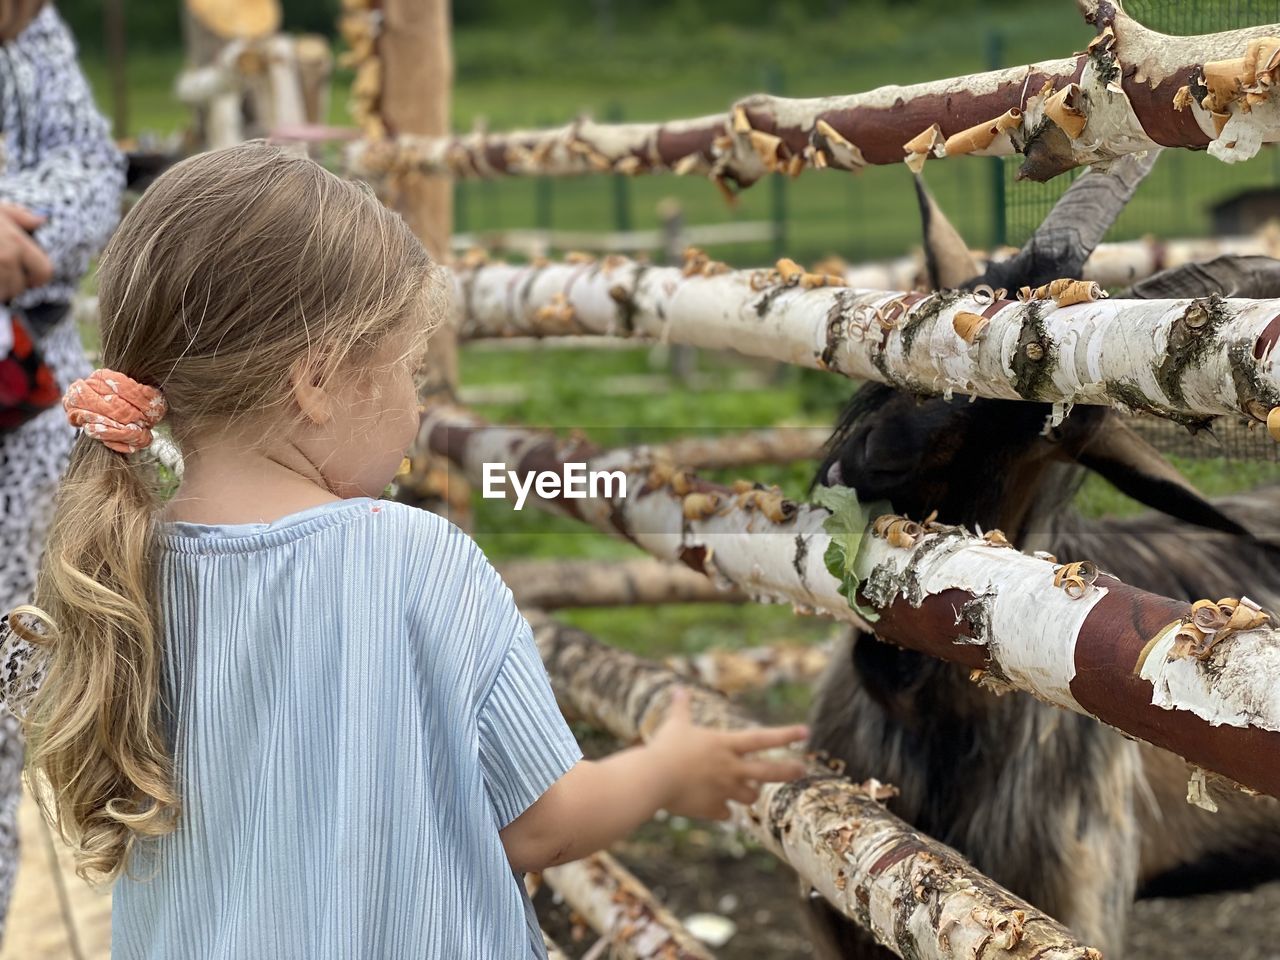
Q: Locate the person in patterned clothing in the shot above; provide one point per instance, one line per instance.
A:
(61, 180)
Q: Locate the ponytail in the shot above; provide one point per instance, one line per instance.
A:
(95, 726)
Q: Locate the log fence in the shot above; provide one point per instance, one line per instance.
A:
(1195, 679)
(1198, 680)
(1186, 360)
(1131, 91)
(917, 897)
(623, 910)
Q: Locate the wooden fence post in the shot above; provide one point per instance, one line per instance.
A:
(684, 360)
(417, 87)
(113, 26)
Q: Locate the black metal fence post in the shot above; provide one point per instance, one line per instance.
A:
(999, 213)
(621, 185)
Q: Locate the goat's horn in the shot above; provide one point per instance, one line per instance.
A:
(1119, 454)
(948, 260)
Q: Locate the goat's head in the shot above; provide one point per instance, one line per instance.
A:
(995, 463)
(989, 464)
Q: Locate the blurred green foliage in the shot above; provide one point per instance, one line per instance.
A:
(155, 25)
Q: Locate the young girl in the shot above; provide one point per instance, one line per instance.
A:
(294, 721)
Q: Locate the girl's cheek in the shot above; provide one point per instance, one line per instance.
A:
(400, 418)
(411, 405)
(409, 426)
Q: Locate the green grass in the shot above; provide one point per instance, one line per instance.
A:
(152, 106)
(692, 628)
(563, 394)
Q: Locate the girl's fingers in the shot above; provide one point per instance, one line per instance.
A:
(744, 793)
(680, 709)
(766, 738)
(770, 771)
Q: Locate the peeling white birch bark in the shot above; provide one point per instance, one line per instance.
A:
(1239, 691)
(1187, 360)
(951, 595)
(1124, 90)
(1030, 632)
(916, 896)
(623, 910)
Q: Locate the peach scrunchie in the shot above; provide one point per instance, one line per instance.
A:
(115, 409)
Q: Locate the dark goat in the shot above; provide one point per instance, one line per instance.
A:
(1057, 807)
(1185, 849)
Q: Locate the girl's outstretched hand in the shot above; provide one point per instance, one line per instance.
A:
(705, 768)
(685, 769)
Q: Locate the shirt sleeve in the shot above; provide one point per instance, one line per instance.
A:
(72, 173)
(525, 744)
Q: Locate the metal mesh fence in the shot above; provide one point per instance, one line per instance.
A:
(1186, 17)
(1227, 440)
(1162, 207)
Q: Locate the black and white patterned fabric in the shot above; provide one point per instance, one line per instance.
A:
(56, 158)
(58, 155)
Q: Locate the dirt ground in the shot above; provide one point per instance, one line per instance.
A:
(692, 870)
(42, 925)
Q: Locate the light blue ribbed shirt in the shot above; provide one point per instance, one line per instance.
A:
(357, 707)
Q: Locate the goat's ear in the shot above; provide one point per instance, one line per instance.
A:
(948, 260)
(1117, 453)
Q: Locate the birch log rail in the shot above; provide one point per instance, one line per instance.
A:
(736, 671)
(1107, 650)
(623, 910)
(1185, 360)
(918, 897)
(555, 584)
(1112, 265)
(553, 949)
(1132, 90)
(741, 448)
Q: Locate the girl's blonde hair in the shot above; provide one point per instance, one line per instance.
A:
(232, 267)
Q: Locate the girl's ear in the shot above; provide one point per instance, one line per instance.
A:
(313, 400)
